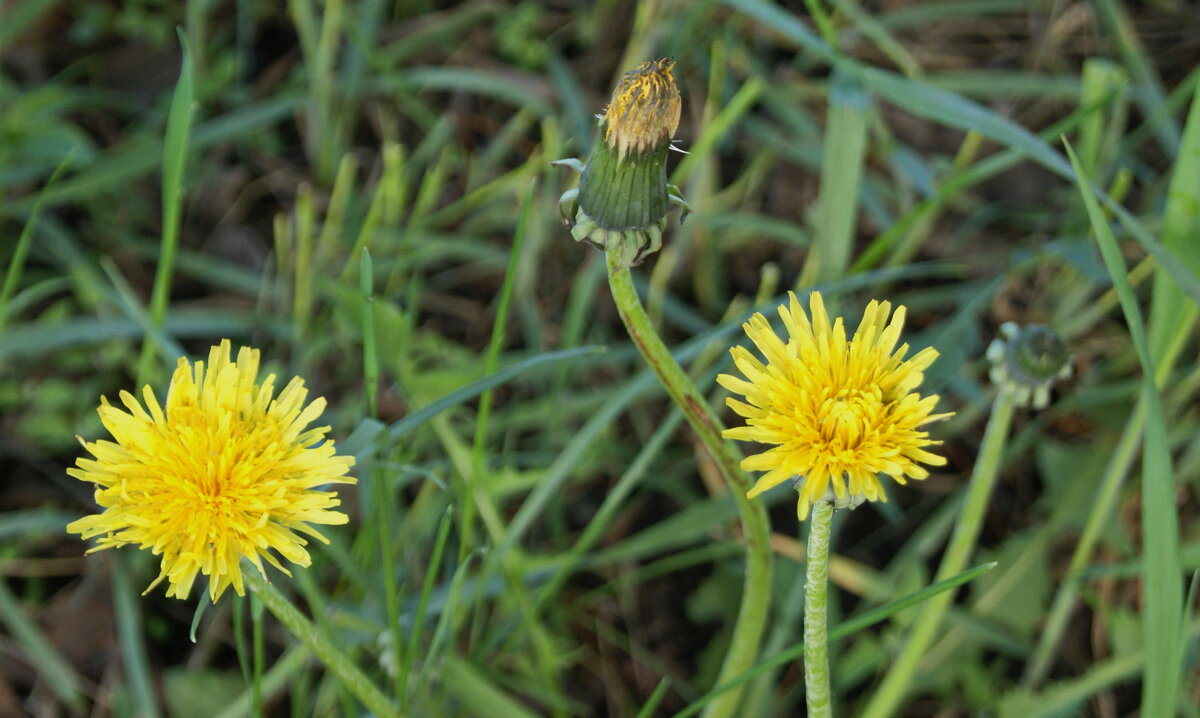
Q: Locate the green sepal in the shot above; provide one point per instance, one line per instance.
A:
(625, 193)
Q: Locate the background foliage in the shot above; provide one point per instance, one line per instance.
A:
(901, 150)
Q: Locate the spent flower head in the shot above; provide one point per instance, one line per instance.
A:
(225, 471)
(836, 412)
(1026, 361)
(644, 111)
(623, 196)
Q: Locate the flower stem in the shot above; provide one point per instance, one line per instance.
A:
(899, 679)
(752, 614)
(816, 588)
(322, 647)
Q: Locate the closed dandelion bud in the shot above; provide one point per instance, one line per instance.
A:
(1026, 361)
(622, 200)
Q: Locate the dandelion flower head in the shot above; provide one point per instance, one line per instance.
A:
(645, 108)
(225, 471)
(836, 412)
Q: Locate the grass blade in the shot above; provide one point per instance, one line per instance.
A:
(477, 692)
(179, 122)
(843, 629)
(16, 265)
(841, 170)
(1162, 610)
(660, 692)
(393, 432)
(131, 630)
(1171, 314)
(947, 108)
(37, 649)
(491, 359)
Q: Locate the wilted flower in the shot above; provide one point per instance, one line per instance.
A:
(838, 413)
(1026, 361)
(226, 471)
(623, 195)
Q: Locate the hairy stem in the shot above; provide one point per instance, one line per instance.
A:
(752, 614)
(816, 588)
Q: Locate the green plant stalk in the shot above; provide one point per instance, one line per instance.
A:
(1151, 97)
(256, 622)
(16, 265)
(613, 500)
(131, 631)
(196, 32)
(752, 614)
(491, 362)
(326, 133)
(175, 145)
(899, 678)
(431, 574)
(1162, 609)
(1106, 496)
(366, 284)
(816, 591)
(37, 650)
(709, 279)
(283, 673)
(843, 629)
(382, 497)
(239, 639)
(302, 272)
(334, 228)
(841, 174)
(321, 645)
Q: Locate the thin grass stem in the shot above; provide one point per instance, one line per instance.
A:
(322, 646)
(179, 122)
(900, 677)
(256, 623)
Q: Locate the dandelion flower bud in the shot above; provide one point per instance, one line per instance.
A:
(623, 196)
(1026, 361)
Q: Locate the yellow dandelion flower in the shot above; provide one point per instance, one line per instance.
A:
(226, 471)
(838, 413)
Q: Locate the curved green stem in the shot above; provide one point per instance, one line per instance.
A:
(899, 678)
(322, 647)
(816, 589)
(752, 614)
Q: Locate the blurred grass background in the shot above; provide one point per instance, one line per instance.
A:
(901, 150)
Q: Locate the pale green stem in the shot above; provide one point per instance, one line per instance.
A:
(899, 679)
(1098, 520)
(256, 622)
(752, 614)
(816, 589)
(350, 675)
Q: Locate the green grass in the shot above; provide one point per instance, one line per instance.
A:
(363, 192)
